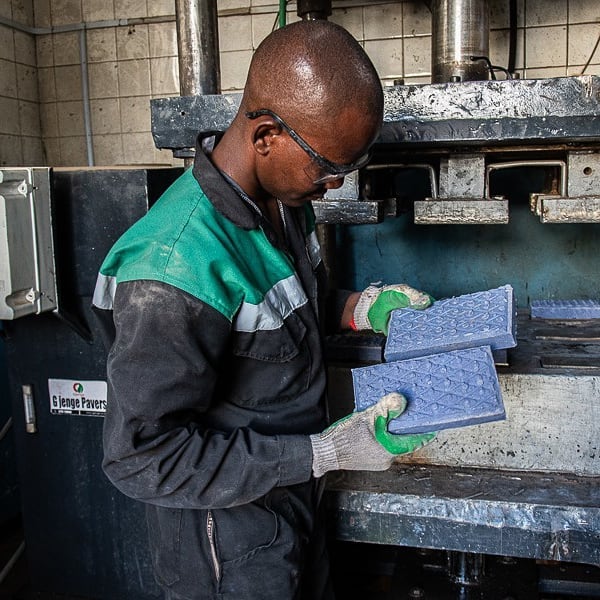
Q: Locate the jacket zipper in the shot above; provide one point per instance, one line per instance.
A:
(210, 530)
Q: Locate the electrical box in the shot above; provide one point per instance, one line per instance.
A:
(27, 274)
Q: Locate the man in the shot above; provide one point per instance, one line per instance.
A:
(216, 377)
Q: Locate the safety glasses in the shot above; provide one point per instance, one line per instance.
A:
(320, 170)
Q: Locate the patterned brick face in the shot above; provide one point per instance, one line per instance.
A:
(485, 318)
(447, 390)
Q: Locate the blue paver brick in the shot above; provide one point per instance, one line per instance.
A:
(480, 319)
(565, 309)
(451, 389)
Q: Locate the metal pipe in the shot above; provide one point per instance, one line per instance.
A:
(460, 30)
(198, 46)
(85, 94)
(310, 10)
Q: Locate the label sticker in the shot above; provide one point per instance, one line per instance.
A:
(77, 397)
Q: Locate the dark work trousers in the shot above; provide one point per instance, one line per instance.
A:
(271, 549)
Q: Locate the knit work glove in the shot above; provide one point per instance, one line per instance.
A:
(361, 441)
(375, 305)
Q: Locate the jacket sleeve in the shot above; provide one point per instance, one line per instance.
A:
(162, 372)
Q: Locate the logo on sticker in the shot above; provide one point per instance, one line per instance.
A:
(78, 388)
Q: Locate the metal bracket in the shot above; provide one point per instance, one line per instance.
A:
(579, 198)
(462, 196)
(27, 271)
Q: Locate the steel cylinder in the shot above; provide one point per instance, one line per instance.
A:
(309, 10)
(460, 31)
(198, 47)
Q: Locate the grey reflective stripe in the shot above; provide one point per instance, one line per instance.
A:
(279, 302)
(314, 249)
(104, 292)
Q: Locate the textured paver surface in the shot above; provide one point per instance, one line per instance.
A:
(451, 389)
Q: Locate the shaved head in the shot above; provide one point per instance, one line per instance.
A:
(310, 71)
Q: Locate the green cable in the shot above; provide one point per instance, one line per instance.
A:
(282, 15)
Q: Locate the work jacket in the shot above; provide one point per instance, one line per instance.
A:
(216, 373)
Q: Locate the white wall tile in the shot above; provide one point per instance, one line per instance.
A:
(134, 77)
(499, 43)
(132, 42)
(579, 70)
(129, 9)
(101, 45)
(262, 25)
(417, 56)
(9, 109)
(383, 21)
(138, 148)
(160, 8)
(162, 38)
(581, 11)
(73, 152)
(108, 150)
(103, 80)
(41, 13)
(545, 47)
(417, 18)
(25, 48)
(29, 118)
(582, 39)
(47, 84)
(49, 119)
(543, 12)
(235, 33)
(8, 77)
(68, 82)
(11, 154)
(66, 48)
(546, 72)
(164, 73)
(232, 4)
(44, 47)
(135, 114)
(7, 43)
(234, 69)
(97, 10)
(27, 83)
(387, 57)
(70, 118)
(22, 12)
(51, 148)
(33, 153)
(105, 115)
(350, 19)
(65, 12)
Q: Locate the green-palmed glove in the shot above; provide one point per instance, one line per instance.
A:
(361, 441)
(375, 305)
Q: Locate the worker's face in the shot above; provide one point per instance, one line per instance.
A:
(302, 165)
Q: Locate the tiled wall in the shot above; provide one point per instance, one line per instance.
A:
(20, 137)
(129, 65)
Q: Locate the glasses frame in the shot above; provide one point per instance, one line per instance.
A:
(334, 171)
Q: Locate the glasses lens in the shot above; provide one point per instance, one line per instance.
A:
(320, 174)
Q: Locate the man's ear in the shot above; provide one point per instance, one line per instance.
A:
(266, 133)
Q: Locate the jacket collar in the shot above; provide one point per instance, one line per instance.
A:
(220, 193)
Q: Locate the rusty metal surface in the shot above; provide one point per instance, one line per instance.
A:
(177, 121)
(556, 209)
(544, 111)
(463, 211)
(513, 513)
(494, 112)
